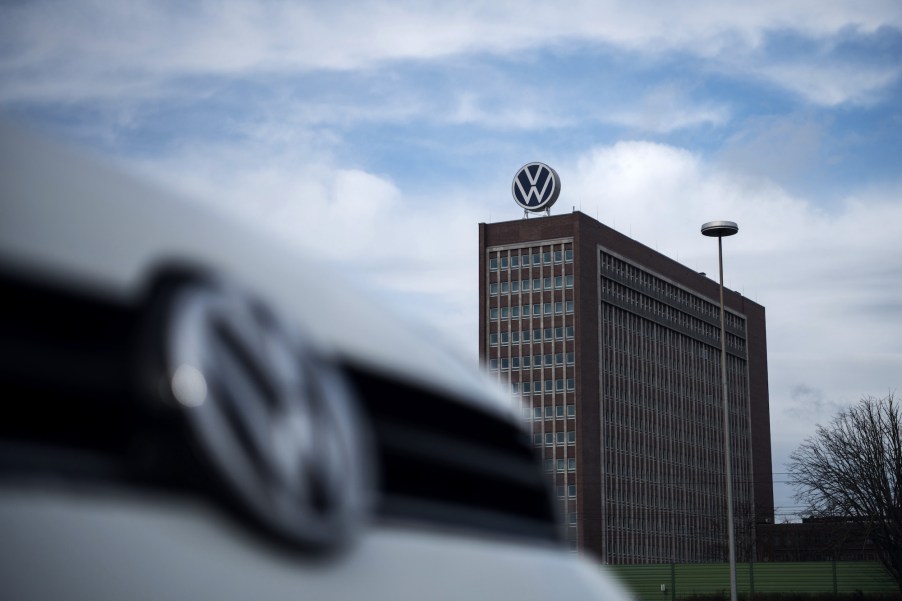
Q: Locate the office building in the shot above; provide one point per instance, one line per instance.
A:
(613, 351)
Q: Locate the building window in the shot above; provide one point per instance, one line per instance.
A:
(548, 360)
(515, 387)
(558, 307)
(559, 281)
(515, 260)
(571, 437)
(559, 411)
(537, 259)
(547, 333)
(570, 358)
(571, 490)
(537, 361)
(560, 438)
(493, 264)
(515, 362)
(505, 363)
(548, 384)
(571, 464)
(493, 363)
(515, 337)
(537, 335)
(558, 333)
(546, 258)
(536, 310)
(549, 439)
(493, 339)
(571, 410)
(526, 388)
(546, 283)
(570, 306)
(560, 491)
(505, 337)
(570, 384)
(505, 287)
(549, 465)
(568, 256)
(558, 384)
(524, 284)
(503, 262)
(570, 281)
(526, 336)
(546, 308)
(570, 331)
(515, 311)
(560, 465)
(493, 288)
(549, 412)
(536, 285)
(536, 411)
(515, 286)
(493, 313)
(537, 440)
(571, 518)
(559, 358)
(558, 256)
(524, 260)
(526, 361)
(505, 313)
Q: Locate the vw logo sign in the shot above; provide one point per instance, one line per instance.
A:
(536, 187)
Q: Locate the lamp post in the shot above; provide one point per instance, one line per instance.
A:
(719, 229)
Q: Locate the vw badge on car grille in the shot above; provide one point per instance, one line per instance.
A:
(275, 420)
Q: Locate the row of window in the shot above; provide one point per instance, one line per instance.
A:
(554, 438)
(536, 284)
(550, 411)
(536, 335)
(537, 387)
(627, 296)
(538, 309)
(550, 360)
(634, 274)
(558, 465)
(535, 259)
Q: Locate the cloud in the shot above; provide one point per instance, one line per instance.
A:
(831, 84)
(666, 109)
(783, 148)
(810, 403)
(66, 51)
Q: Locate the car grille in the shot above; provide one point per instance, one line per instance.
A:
(68, 361)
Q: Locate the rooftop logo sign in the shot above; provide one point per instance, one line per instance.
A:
(536, 187)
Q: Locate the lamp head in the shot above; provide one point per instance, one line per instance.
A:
(719, 229)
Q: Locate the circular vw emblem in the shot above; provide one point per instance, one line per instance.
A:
(275, 420)
(536, 186)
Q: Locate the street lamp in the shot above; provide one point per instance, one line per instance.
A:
(719, 229)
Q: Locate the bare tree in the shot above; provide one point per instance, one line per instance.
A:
(853, 469)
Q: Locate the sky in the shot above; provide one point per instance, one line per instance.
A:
(377, 135)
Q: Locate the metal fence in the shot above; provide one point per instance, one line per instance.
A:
(668, 582)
